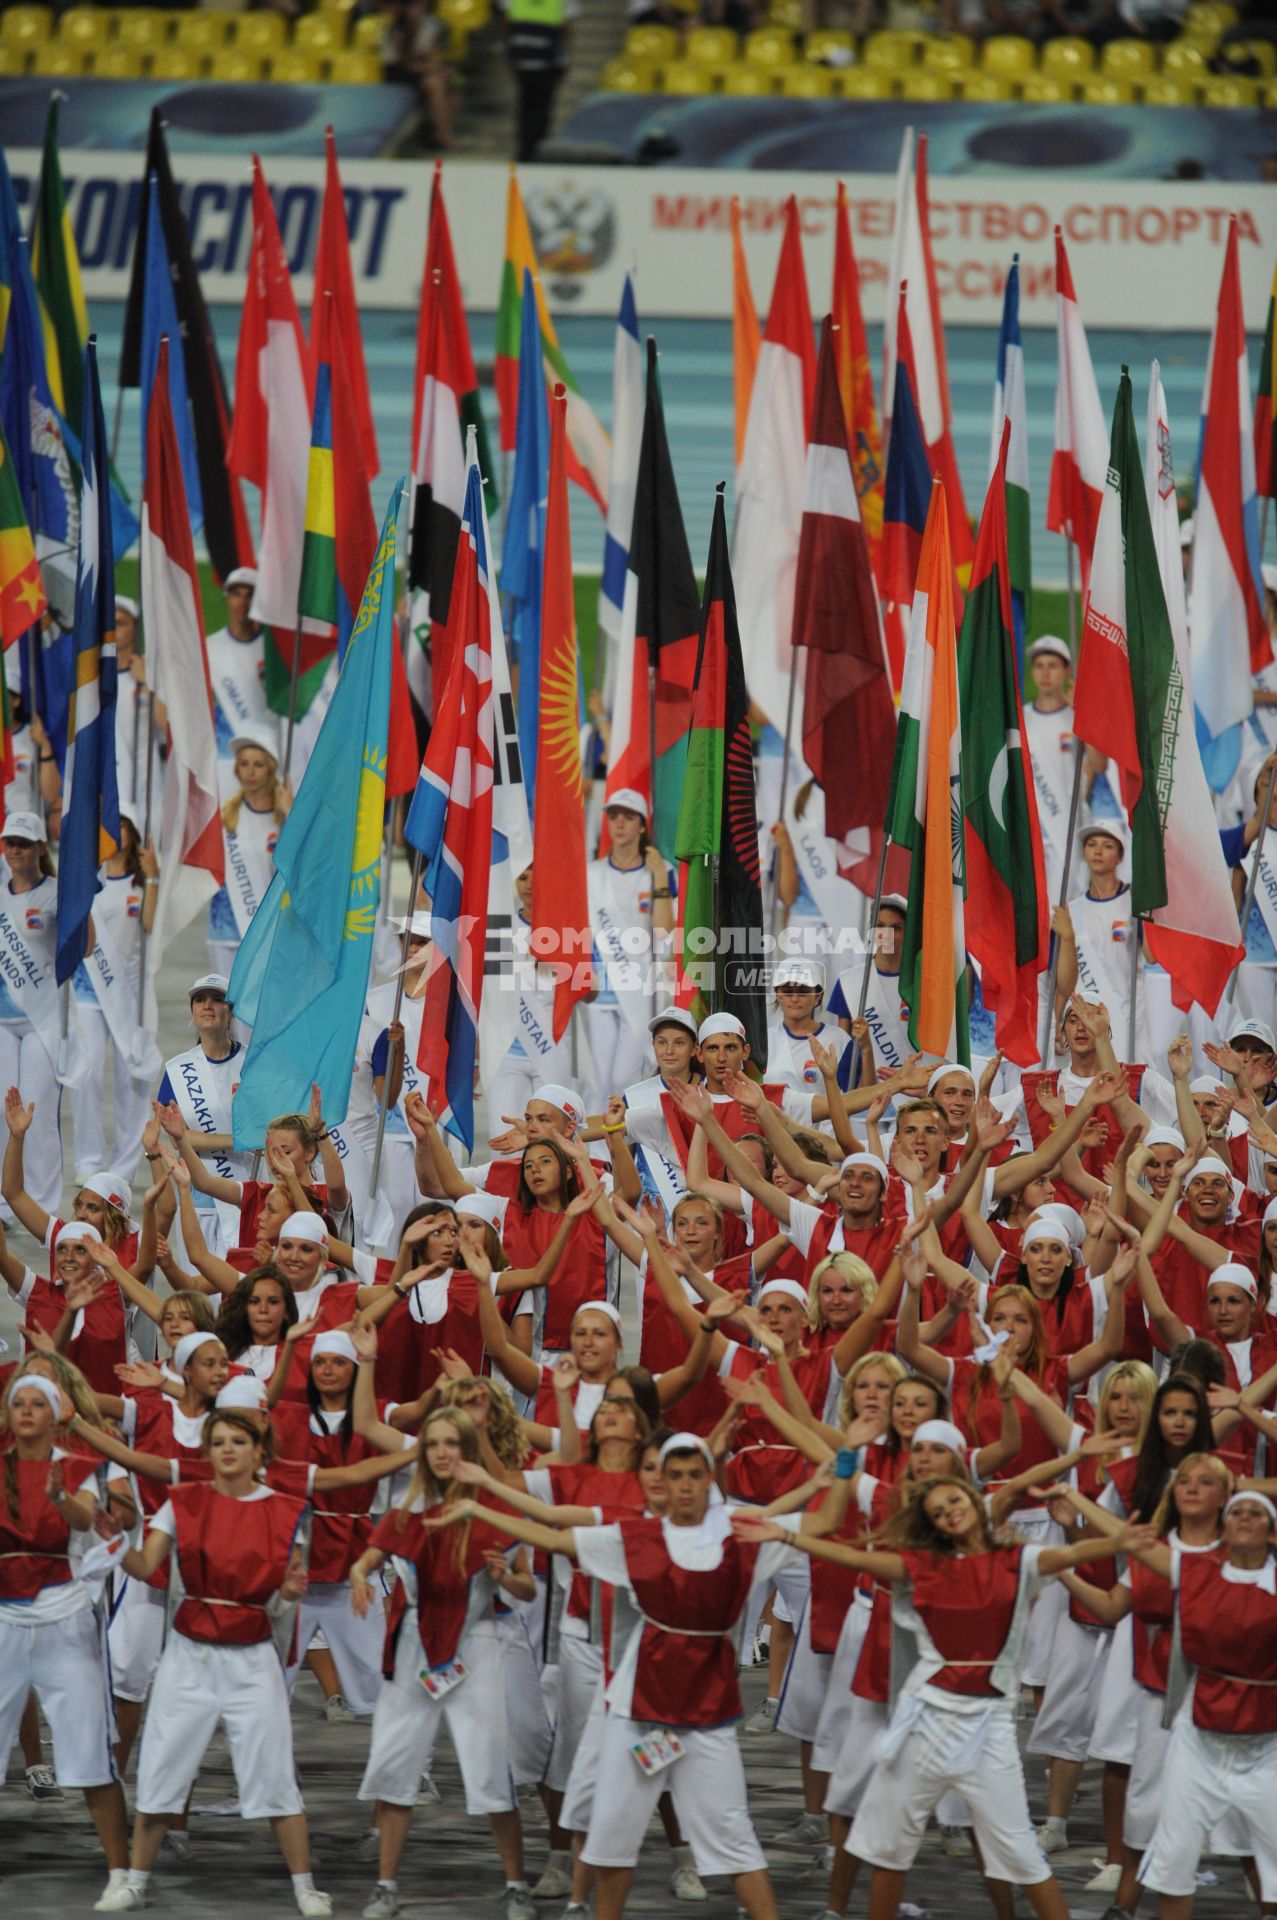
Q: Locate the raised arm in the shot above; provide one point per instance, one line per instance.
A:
(12, 1175)
(888, 1567)
(432, 1156)
(219, 1273)
(909, 1344)
(523, 1374)
(699, 1108)
(329, 1158)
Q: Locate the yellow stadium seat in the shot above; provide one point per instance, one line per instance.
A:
(949, 52)
(624, 75)
(177, 63)
(806, 82)
(686, 77)
(1164, 90)
(1047, 89)
(200, 33)
(26, 26)
(145, 31)
(889, 52)
(1209, 19)
(747, 82)
(1262, 52)
(118, 63)
(323, 34)
(653, 44)
(1268, 94)
(349, 67)
(864, 83)
(1185, 61)
(260, 33)
(293, 68)
(787, 14)
(1008, 54)
(984, 86)
(710, 47)
(342, 8)
(828, 47)
(234, 65)
(1106, 90)
(369, 34)
(1068, 56)
(1230, 90)
(770, 47)
(1129, 59)
(922, 85)
(83, 27)
(13, 60)
(57, 62)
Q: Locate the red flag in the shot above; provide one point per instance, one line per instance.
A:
(333, 276)
(1079, 461)
(855, 380)
(560, 907)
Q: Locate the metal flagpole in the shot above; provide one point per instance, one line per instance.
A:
(383, 1106)
(854, 1071)
(1138, 925)
(146, 834)
(1072, 596)
(1257, 854)
(292, 699)
(1075, 807)
(716, 930)
(119, 421)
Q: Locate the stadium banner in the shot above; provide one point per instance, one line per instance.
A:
(1144, 254)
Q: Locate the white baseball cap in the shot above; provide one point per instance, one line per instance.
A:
(799, 973)
(111, 1187)
(240, 577)
(568, 1103)
(1233, 1274)
(1115, 829)
(25, 826)
(673, 1017)
(896, 901)
(1051, 643)
(720, 1023)
(265, 739)
(629, 798)
(129, 604)
(305, 1226)
(1254, 1030)
(209, 983)
(416, 924)
(244, 1392)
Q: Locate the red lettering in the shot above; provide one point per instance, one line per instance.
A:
(1033, 222)
(1218, 218)
(1247, 230)
(1150, 226)
(874, 219)
(1185, 220)
(997, 222)
(813, 214)
(973, 279)
(1115, 223)
(1079, 225)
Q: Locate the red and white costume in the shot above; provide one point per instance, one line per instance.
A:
(151, 1422)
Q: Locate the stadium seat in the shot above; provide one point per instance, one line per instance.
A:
(57, 62)
(349, 67)
(949, 52)
(83, 27)
(368, 35)
(1230, 90)
(291, 67)
(745, 81)
(176, 63)
(322, 34)
(1209, 19)
(624, 75)
(13, 59)
(922, 85)
(26, 26)
(653, 44)
(1164, 90)
(770, 47)
(889, 52)
(1262, 53)
(786, 14)
(119, 63)
(686, 77)
(863, 83)
(136, 27)
(342, 9)
(1129, 59)
(235, 65)
(201, 33)
(1047, 89)
(806, 82)
(260, 33)
(1107, 90)
(710, 47)
(828, 47)
(1185, 61)
(1069, 57)
(1008, 54)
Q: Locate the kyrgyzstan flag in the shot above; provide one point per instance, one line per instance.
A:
(335, 280)
(855, 379)
(1080, 460)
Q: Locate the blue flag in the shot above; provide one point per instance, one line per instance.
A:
(159, 317)
(300, 977)
(91, 803)
(523, 556)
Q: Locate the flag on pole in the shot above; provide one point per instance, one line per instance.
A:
(1010, 404)
(924, 813)
(1230, 642)
(226, 528)
(855, 380)
(908, 493)
(1007, 911)
(660, 629)
(22, 597)
(523, 550)
(627, 432)
(587, 449)
(560, 906)
(91, 806)
(55, 268)
(194, 860)
(300, 977)
(769, 502)
(721, 889)
(450, 824)
(746, 336)
(1080, 460)
(335, 279)
(1265, 422)
(160, 320)
(849, 719)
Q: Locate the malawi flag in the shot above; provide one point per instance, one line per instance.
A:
(1265, 423)
(721, 895)
(22, 598)
(924, 813)
(335, 280)
(660, 630)
(747, 339)
(340, 541)
(1006, 900)
(856, 381)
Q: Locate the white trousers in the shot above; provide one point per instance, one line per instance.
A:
(135, 1636)
(1113, 1736)
(580, 1667)
(707, 1786)
(406, 1724)
(835, 1708)
(578, 1796)
(854, 1763)
(620, 1055)
(131, 1101)
(530, 1732)
(1079, 1661)
(805, 1685)
(62, 1662)
(1207, 1777)
(355, 1644)
(25, 1064)
(200, 1686)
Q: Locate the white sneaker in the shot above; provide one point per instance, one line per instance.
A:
(1107, 1880)
(42, 1784)
(519, 1904)
(384, 1903)
(368, 1845)
(121, 1898)
(314, 1905)
(1053, 1839)
(336, 1710)
(686, 1884)
(177, 1841)
(428, 1794)
(954, 1842)
(807, 1831)
(553, 1884)
(763, 1720)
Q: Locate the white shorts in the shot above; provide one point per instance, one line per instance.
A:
(707, 1786)
(835, 1708)
(1207, 1777)
(530, 1732)
(1113, 1737)
(199, 1685)
(578, 1795)
(1144, 1792)
(135, 1636)
(791, 1584)
(63, 1662)
(1045, 1615)
(406, 1723)
(940, 1751)
(355, 1644)
(805, 1685)
(1069, 1705)
(580, 1670)
(854, 1762)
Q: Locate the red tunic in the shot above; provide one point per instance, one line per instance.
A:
(734, 1119)
(1094, 1158)
(579, 1277)
(762, 1467)
(34, 1547)
(232, 1556)
(1183, 1280)
(408, 1351)
(874, 1245)
(983, 1422)
(686, 1671)
(833, 1588)
(872, 1678)
(619, 1494)
(1228, 1630)
(663, 1345)
(966, 1604)
(1152, 1610)
(338, 1304)
(342, 1528)
(447, 1559)
(1100, 1573)
(101, 1346)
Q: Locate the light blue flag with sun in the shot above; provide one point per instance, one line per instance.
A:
(300, 978)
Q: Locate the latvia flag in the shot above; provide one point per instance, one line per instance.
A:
(1079, 463)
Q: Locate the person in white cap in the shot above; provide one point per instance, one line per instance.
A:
(386, 1063)
(201, 1080)
(237, 673)
(631, 895)
(107, 1019)
(1184, 1244)
(30, 1019)
(1048, 725)
(81, 1315)
(660, 1166)
(1095, 931)
(797, 1019)
(252, 816)
(1256, 994)
(533, 1054)
(886, 1015)
(1233, 1321)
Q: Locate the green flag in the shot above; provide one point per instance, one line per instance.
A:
(55, 267)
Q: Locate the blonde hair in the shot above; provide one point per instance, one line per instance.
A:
(504, 1431)
(913, 1529)
(1139, 1376)
(851, 1267)
(67, 1375)
(1165, 1513)
(423, 1485)
(893, 1367)
(231, 811)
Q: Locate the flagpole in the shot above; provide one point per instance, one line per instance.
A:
(383, 1105)
(784, 774)
(146, 835)
(292, 700)
(1257, 854)
(1135, 978)
(1075, 807)
(1068, 575)
(714, 878)
(118, 423)
(879, 883)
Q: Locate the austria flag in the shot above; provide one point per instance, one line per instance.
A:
(1079, 463)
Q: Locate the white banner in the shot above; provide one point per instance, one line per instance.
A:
(1144, 254)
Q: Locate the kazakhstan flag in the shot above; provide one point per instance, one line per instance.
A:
(301, 975)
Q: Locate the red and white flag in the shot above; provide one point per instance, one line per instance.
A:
(1081, 457)
(335, 279)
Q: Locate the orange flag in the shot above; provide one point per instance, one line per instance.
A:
(746, 336)
(855, 380)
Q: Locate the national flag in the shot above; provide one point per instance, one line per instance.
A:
(721, 891)
(908, 494)
(226, 528)
(22, 597)
(560, 906)
(194, 861)
(270, 444)
(1010, 404)
(747, 337)
(1079, 462)
(91, 806)
(523, 548)
(924, 813)
(769, 500)
(1007, 912)
(587, 448)
(1265, 422)
(627, 432)
(1226, 622)
(1195, 936)
(300, 977)
(340, 540)
(913, 267)
(334, 279)
(160, 320)
(55, 268)
(849, 719)
(660, 629)
(855, 380)
(450, 824)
